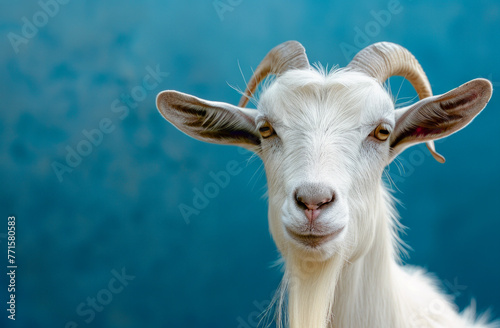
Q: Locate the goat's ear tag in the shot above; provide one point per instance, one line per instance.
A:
(440, 116)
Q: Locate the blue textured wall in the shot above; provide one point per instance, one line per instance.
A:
(83, 66)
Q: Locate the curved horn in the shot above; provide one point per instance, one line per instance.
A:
(385, 59)
(286, 56)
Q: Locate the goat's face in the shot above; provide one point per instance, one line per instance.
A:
(326, 138)
(324, 143)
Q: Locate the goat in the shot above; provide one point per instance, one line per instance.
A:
(325, 139)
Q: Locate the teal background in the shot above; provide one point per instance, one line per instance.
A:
(119, 207)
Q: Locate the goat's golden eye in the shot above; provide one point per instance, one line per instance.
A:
(381, 132)
(266, 130)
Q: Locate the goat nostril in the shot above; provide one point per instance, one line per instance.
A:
(325, 201)
(308, 198)
(301, 203)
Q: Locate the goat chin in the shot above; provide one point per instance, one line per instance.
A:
(362, 285)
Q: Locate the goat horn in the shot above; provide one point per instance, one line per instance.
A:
(385, 59)
(283, 57)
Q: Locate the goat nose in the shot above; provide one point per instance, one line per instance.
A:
(313, 197)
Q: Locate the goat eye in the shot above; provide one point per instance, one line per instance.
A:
(266, 130)
(381, 132)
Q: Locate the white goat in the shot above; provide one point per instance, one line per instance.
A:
(325, 139)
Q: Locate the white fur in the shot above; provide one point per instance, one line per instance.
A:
(354, 280)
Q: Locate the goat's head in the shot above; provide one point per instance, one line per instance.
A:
(325, 138)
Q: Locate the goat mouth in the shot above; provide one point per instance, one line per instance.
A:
(312, 240)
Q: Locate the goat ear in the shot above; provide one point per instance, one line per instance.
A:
(439, 116)
(209, 121)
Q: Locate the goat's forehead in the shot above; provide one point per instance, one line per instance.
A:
(311, 97)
